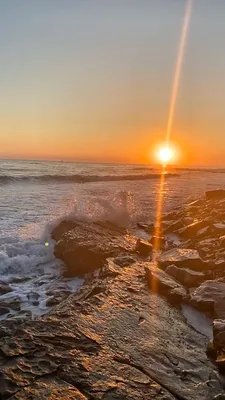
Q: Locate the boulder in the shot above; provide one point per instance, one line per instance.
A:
(182, 258)
(160, 281)
(210, 297)
(215, 194)
(86, 247)
(186, 276)
(4, 288)
(63, 227)
(144, 248)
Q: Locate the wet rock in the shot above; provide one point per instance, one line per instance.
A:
(57, 298)
(204, 232)
(211, 350)
(33, 298)
(11, 302)
(142, 225)
(143, 247)
(21, 316)
(49, 389)
(4, 288)
(111, 343)
(158, 239)
(86, 247)
(182, 258)
(196, 203)
(215, 194)
(63, 227)
(187, 277)
(210, 296)
(159, 280)
(174, 226)
(219, 397)
(222, 241)
(174, 215)
(218, 326)
(3, 310)
(218, 228)
(192, 229)
(19, 279)
(124, 261)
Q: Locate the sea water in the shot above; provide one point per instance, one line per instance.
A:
(36, 195)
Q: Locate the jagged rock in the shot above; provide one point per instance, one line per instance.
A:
(222, 241)
(210, 296)
(182, 258)
(33, 298)
(192, 229)
(86, 247)
(4, 288)
(21, 316)
(49, 389)
(63, 227)
(124, 261)
(143, 247)
(187, 277)
(218, 326)
(111, 343)
(11, 302)
(158, 239)
(211, 350)
(4, 310)
(142, 225)
(159, 280)
(215, 194)
(57, 298)
(174, 226)
(195, 203)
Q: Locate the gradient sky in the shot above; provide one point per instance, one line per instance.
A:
(92, 79)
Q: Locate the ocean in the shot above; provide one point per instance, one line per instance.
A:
(36, 195)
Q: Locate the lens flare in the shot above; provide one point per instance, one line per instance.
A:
(178, 68)
(165, 153)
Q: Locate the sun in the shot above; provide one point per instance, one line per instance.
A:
(165, 155)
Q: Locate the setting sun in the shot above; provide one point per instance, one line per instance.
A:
(165, 155)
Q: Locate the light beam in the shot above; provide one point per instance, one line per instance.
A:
(175, 87)
(178, 68)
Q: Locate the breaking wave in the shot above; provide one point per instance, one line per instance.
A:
(6, 179)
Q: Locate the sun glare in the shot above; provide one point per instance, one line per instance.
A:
(165, 155)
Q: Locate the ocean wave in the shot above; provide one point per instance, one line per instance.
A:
(6, 179)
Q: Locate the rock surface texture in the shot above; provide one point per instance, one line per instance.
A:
(85, 247)
(113, 340)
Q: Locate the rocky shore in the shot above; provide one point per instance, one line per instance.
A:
(123, 335)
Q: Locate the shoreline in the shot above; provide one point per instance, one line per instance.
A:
(124, 334)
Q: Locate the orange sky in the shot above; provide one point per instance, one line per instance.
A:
(94, 81)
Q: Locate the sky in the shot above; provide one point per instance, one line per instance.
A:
(91, 80)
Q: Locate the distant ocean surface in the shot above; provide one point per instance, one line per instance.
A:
(36, 195)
